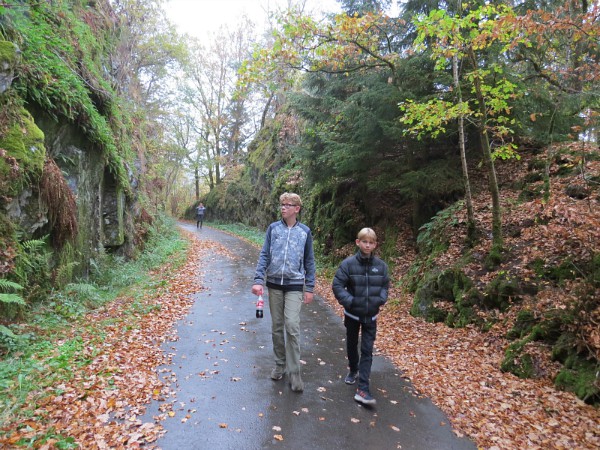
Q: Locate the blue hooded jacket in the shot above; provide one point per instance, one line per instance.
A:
(287, 257)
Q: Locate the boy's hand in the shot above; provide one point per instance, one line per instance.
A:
(308, 297)
(257, 289)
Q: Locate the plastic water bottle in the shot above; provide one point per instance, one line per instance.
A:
(260, 304)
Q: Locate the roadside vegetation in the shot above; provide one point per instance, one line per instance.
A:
(44, 349)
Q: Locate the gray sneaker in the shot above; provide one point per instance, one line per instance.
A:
(277, 373)
(364, 397)
(296, 382)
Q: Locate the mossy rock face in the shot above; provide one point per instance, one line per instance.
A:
(548, 330)
(425, 296)
(525, 322)
(533, 177)
(563, 347)
(24, 142)
(556, 273)
(9, 54)
(517, 362)
(580, 376)
(501, 291)
(448, 285)
(471, 297)
(580, 369)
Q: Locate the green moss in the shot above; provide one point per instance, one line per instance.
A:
(8, 53)
(432, 238)
(24, 141)
(566, 270)
(550, 328)
(580, 376)
(501, 291)
(494, 257)
(387, 243)
(518, 362)
(530, 193)
(523, 325)
(55, 40)
(563, 348)
(533, 177)
(537, 164)
(452, 286)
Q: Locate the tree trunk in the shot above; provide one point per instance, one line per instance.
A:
(497, 240)
(197, 182)
(263, 118)
(463, 156)
(217, 163)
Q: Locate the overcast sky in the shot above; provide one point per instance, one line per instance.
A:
(200, 17)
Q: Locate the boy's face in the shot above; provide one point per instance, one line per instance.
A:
(366, 245)
(288, 210)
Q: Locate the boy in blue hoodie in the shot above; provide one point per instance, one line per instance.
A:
(287, 264)
(361, 286)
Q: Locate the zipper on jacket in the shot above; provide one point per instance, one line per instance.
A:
(287, 242)
(367, 276)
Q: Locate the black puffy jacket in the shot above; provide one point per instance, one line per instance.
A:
(361, 286)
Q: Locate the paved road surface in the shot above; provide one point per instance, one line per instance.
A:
(220, 378)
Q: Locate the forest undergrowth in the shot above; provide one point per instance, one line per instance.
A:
(89, 401)
(460, 368)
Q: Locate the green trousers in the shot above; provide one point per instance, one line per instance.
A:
(285, 316)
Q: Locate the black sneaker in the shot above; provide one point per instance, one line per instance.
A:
(364, 397)
(351, 377)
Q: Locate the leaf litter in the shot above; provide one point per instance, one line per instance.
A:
(459, 368)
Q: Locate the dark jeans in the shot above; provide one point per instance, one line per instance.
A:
(199, 220)
(362, 365)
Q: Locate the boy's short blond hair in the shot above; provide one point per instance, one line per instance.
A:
(291, 198)
(367, 233)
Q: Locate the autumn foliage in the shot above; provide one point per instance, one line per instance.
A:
(460, 368)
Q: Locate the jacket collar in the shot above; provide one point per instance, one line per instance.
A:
(363, 259)
(286, 225)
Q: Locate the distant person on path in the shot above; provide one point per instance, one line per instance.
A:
(287, 264)
(200, 214)
(361, 286)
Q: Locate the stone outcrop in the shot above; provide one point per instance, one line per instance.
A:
(9, 54)
(103, 210)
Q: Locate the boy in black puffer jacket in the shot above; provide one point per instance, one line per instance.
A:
(361, 285)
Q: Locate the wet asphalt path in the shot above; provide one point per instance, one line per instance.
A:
(220, 370)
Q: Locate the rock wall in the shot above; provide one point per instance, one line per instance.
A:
(104, 214)
(101, 201)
